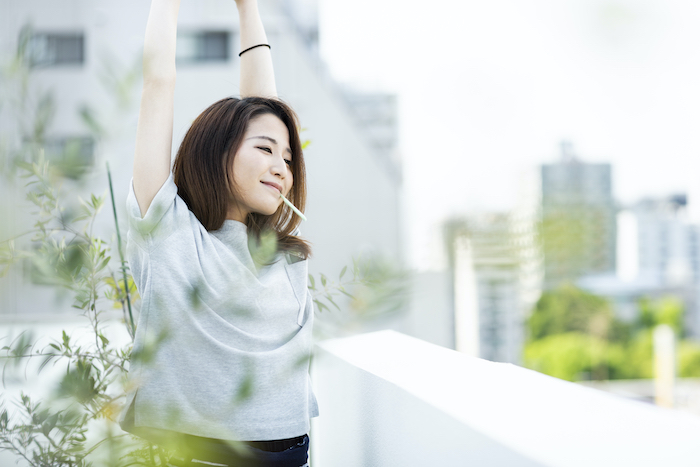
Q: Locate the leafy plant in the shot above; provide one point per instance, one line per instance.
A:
(374, 287)
(60, 249)
(64, 252)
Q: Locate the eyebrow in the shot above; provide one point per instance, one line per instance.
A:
(272, 140)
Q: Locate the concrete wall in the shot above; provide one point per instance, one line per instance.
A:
(390, 400)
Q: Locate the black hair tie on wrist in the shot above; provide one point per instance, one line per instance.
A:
(251, 48)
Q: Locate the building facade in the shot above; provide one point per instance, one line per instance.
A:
(578, 219)
(492, 269)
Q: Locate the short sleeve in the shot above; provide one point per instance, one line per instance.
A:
(160, 219)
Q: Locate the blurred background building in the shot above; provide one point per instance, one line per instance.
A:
(658, 255)
(489, 301)
(667, 242)
(578, 219)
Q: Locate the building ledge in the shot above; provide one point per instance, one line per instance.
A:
(446, 408)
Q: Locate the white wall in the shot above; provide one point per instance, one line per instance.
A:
(391, 400)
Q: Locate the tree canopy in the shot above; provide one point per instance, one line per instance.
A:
(574, 335)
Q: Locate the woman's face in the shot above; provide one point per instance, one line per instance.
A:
(261, 168)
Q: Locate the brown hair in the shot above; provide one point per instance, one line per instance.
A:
(202, 168)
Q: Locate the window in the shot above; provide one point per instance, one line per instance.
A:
(203, 46)
(56, 49)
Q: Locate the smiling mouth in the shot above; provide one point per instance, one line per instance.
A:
(273, 185)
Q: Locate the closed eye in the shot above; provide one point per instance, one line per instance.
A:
(268, 150)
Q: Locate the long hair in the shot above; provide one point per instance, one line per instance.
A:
(202, 168)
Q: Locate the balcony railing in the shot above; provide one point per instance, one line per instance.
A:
(387, 399)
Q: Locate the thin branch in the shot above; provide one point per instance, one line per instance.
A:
(17, 236)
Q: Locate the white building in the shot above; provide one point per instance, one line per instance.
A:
(492, 279)
(658, 255)
(667, 242)
(87, 54)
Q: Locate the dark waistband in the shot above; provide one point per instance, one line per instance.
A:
(220, 447)
(277, 445)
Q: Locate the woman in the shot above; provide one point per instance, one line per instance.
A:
(221, 354)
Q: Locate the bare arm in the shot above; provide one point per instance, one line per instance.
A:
(154, 133)
(257, 74)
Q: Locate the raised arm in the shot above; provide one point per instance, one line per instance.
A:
(154, 133)
(257, 74)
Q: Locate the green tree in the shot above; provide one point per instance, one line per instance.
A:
(574, 334)
(570, 309)
(574, 356)
(689, 359)
(665, 310)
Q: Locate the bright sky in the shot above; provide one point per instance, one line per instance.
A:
(488, 89)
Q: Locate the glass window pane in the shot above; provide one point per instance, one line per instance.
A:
(214, 46)
(49, 49)
(203, 46)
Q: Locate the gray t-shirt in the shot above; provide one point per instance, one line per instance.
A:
(222, 349)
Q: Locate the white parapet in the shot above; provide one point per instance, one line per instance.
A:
(387, 399)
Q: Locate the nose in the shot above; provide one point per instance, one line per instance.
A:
(279, 166)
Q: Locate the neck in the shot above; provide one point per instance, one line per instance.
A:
(236, 214)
